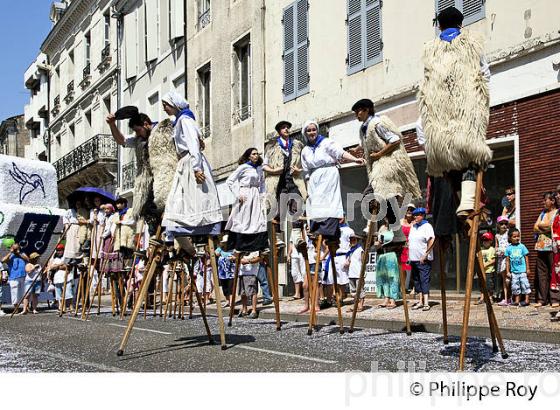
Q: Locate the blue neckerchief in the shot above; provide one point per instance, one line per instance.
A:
(317, 142)
(255, 165)
(122, 212)
(363, 128)
(288, 148)
(154, 123)
(449, 34)
(343, 225)
(186, 112)
(418, 225)
(352, 249)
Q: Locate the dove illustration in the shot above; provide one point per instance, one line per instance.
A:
(29, 182)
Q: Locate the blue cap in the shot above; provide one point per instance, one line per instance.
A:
(419, 211)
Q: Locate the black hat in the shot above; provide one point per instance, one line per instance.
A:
(281, 125)
(121, 200)
(127, 112)
(363, 103)
(450, 18)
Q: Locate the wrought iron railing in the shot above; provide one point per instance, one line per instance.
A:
(57, 101)
(87, 70)
(205, 131)
(128, 176)
(106, 52)
(70, 87)
(101, 147)
(204, 19)
(241, 114)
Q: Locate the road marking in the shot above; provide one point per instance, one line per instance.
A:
(65, 358)
(297, 356)
(140, 328)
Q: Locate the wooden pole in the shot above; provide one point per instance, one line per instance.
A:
(442, 279)
(273, 276)
(473, 239)
(234, 293)
(458, 261)
(168, 301)
(314, 288)
(332, 250)
(217, 292)
(85, 292)
(201, 307)
(372, 229)
(192, 287)
(131, 275)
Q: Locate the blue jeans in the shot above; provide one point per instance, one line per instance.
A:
(421, 275)
(263, 282)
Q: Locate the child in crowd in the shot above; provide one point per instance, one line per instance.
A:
(297, 267)
(248, 287)
(3, 281)
(353, 266)
(517, 267)
(226, 270)
(204, 283)
(489, 259)
(502, 242)
(60, 275)
(387, 270)
(33, 283)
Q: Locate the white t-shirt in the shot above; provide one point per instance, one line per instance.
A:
(59, 275)
(418, 239)
(355, 263)
(250, 269)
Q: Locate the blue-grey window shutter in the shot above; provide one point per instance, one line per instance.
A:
(473, 10)
(302, 47)
(289, 53)
(374, 43)
(355, 59)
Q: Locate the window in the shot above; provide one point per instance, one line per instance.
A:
(473, 10)
(364, 34)
(153, 107)
(179, 84)
(296, 50)
(203, 14)
(241, 80)
(131, 44)
(204, 96)
(87, 43)
(107, 33)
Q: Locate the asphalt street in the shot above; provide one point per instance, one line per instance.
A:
(47, 343)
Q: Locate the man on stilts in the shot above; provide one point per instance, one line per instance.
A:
(454, 107)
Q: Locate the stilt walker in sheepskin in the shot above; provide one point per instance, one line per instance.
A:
(455, 109)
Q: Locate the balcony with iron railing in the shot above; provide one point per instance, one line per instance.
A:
(105, 58)
(204, 19)
(86, 76)
(241, 114)
(69, 92)
(98, 153)
(205, 132)
(128, 176)
(56, 106)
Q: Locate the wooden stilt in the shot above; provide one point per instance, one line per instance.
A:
(183, 286)
(159, 285)
(332, 250)
(204, 279)
(404, 296)
(315, 285)
(274, 288)
(192, 288)
(169, 299)
(131, 276)
(93, 245)
(112, 285)
(372, 230)
(217, 296)
(442, 278)
(201, 306)
(234, 292)
(473, 239)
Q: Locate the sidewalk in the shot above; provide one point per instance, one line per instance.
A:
(515, 323)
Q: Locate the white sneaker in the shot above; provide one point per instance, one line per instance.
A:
(2, 313)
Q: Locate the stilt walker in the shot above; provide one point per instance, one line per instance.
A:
(130, 274)
(454, 106)
(324, 203)
(247, 223)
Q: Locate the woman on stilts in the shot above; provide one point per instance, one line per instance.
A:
(324, 203)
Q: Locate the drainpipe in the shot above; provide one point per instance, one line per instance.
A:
(263, 81)
(185, 20)
(119, 17)
(48, 128)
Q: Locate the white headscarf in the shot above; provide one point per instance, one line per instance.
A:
(176, 100)
(307, 124)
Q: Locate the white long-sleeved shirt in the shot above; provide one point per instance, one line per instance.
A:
(187, 134)
(327, 153)
(246, 176)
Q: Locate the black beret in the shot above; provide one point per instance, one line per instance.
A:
(281, 125)
(450, 17)
(363, 103)
(127, 112)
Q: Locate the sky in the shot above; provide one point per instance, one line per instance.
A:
(24, 27)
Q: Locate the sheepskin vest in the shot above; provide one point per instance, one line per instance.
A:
(393, 174)
(454, 105)
(124, 234)
(275, 157)
(156, 161)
